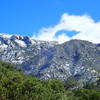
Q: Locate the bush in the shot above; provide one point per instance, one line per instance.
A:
(14, 85)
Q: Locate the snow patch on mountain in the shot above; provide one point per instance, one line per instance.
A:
(21, 43)
(5, 35)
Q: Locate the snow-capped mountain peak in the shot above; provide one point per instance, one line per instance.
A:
(7, 40)
(5, 35)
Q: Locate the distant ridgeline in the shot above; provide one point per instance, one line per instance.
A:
(75, 59)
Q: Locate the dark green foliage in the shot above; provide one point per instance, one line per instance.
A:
(86, 94)
(71, 82)
(14, 85)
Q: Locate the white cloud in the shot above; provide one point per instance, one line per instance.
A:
(85, 26)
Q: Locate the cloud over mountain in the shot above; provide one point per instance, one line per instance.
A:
(84, 27)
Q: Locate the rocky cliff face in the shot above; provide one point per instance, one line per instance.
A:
(50, 60)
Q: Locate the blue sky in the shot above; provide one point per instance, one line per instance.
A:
(27, 17)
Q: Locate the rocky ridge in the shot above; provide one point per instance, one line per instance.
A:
(50, 60)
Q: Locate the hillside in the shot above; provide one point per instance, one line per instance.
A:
(50, 60)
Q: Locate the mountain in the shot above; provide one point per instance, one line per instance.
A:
(50, 60)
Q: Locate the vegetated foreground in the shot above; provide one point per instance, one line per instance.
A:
(14, 85)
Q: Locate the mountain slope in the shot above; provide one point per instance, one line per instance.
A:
(50, 60)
